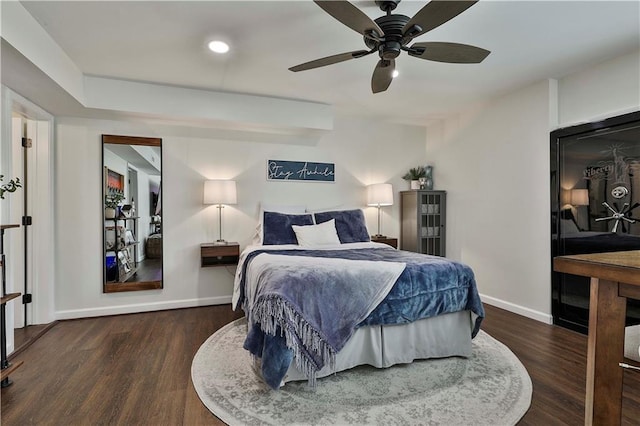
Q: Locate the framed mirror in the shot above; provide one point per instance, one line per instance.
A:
(132, 214)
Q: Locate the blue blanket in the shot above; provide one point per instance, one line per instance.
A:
(428, 286)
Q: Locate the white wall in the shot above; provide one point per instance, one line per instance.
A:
(364, 152)
(494, 163)
(608, 89)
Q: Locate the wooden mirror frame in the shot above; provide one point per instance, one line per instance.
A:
(113, 287)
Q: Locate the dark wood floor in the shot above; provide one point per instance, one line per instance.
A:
(25, 336)
(135, 370)
(148, 270)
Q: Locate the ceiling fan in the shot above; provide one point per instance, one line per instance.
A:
(390, 34)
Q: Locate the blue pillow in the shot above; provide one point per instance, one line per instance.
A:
(276, 227)
(350, 225)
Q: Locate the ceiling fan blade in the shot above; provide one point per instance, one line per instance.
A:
(434, 14)
(350, 16)
(382, 75)
(454, 53)
(329, 60)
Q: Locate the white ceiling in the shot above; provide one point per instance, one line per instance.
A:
(165, 42)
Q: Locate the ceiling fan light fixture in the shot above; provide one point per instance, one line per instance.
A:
(218, 46)
(390, 50)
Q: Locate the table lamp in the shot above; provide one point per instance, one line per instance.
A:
(220, 192)
(379, 195)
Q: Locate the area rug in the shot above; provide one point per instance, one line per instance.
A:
(491, 387)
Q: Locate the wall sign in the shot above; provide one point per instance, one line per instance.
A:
(300, 171)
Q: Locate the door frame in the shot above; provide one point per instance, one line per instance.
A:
(41, 262)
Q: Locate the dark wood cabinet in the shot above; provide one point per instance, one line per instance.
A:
(219, 254)
(423, 220)
(393, 242)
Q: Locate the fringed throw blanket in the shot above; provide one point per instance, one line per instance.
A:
(304, 305)
(314, 303)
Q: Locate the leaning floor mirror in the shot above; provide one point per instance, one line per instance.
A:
(132, 218)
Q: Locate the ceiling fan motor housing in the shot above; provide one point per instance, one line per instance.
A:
(387, 5)
(392, 44)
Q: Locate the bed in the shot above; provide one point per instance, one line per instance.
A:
(575, 241)
(320, 298)
(598, 242)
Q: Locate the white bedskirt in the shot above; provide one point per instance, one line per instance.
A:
(382, 346)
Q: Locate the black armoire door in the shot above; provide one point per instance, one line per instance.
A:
(595, 205)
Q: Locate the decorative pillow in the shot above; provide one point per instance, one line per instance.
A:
(278, 208)
(317, 235)
(350, 224)
(276, 227)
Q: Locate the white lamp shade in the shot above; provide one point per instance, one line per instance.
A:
(380, 194)
(579, 197)
(219, 192)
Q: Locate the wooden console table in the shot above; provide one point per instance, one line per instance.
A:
(614, 278)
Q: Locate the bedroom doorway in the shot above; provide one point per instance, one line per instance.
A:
(30, 266)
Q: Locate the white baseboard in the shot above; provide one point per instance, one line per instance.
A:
(140, 307)
(517, 309)
(192, 303)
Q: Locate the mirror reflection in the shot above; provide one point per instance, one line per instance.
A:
(132, 194)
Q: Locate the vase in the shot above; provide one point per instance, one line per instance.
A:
(415, 184)
(428, 184)
(109, 213)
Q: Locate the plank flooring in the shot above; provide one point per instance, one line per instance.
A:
(135, 370)
(23, 337)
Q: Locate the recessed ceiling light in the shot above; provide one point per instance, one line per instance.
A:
(395, 73)
(218, 46)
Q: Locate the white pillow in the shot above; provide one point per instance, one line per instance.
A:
(317, 235)
(277, 208)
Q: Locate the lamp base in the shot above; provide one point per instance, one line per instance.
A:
(378, 236)
(221, 242)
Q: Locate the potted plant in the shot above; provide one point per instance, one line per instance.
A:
(111, 203)
(10, 186)
(414, 174)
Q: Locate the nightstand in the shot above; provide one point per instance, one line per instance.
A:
(219, 254)
(393, 242)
